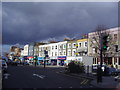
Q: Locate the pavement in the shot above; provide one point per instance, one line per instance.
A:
(107, 81)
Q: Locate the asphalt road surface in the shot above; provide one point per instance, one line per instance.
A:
(39, 77)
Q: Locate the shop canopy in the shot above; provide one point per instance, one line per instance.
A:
(29, 57)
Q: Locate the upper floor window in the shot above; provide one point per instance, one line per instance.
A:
(85, 44)
(60, 47)
(74, 53)
(60, 53)
(64, 53)
(74, 45)
(80, 44)
(55, 53)
(64, 46)
(52, 53)
(56, 47)
(52, 47)
(69, 53)
(69, 45)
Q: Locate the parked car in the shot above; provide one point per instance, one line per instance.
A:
(94, 68)
(107, 70)
(26, 63)
(112, 71)
(3, 65)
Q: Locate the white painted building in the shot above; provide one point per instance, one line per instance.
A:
(22, 52)
(55, 51)
(26, 47)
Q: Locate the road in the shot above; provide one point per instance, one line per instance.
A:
(39, 77)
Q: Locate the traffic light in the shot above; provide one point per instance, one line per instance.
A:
(105, 42)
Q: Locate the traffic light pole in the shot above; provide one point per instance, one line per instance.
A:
(101, 60)
(44, 62)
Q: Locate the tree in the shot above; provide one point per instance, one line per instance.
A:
(101, 32)
(76, 67)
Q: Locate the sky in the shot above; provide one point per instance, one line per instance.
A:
(26, 22)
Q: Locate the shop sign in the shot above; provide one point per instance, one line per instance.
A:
(61, 57)
(40, 58)
(30, 57)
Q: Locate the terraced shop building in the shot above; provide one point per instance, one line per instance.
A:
(112, 55)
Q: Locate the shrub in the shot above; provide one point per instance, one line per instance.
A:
(76, 67)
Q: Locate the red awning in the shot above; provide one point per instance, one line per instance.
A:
(30, 57)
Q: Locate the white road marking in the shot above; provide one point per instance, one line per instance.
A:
(6, 75)
(40, 76)
(84, 81)
(59, 87)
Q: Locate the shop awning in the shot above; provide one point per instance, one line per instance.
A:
(30, 57)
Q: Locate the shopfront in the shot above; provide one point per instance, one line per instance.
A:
(61, 60)
(40, 60)
(53, 60)
(30, 58)
(69, 59)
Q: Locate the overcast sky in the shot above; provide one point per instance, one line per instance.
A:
(37, 21)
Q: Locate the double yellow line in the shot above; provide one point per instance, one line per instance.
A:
(84, 81)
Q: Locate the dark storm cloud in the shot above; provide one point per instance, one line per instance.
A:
(28, 22)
